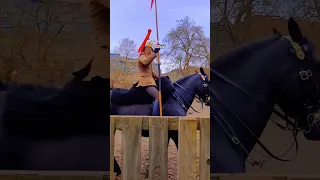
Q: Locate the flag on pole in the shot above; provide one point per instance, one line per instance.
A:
(159, 69)
(152, 1)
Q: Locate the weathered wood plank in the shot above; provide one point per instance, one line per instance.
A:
(158, 148)
(204, 159)
(131, 148)
(112, 134)
(187, 148)
(173, 124)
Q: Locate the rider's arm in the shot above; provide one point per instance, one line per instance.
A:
(145, 60)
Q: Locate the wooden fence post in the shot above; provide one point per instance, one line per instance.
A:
(131, 148)
(158, 148)
(187, 148)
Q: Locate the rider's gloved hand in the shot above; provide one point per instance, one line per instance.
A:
(155, 76)
(157, 48)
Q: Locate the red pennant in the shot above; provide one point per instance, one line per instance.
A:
(152, 1)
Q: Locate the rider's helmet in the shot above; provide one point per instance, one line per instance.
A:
(149, 44)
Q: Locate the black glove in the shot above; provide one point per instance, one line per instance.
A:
(156, 49)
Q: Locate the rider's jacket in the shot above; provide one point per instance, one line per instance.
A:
(146, 74)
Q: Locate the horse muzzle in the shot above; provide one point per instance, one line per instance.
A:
(207, 103)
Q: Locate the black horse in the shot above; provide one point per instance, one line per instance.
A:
(177, 99)
(248, 83)
(56, 129)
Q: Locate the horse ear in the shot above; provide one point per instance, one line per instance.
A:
(100, 15)
(276, 32)
(294, 30)
(202, 71)
(82, 73)
(100, 21)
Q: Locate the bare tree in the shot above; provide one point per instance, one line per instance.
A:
(5, 26)
(37, 30)
(121, 68)
(228, 13)
(308, 10)
(121, 74)
(187, 45)
(127, 48)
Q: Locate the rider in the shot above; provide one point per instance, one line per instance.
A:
(147, 76)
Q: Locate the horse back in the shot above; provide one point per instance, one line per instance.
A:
(138, 95)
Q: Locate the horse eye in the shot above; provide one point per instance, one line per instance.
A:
(103, 47)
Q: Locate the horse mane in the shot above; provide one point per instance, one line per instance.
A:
(242, 51)
(185, 77)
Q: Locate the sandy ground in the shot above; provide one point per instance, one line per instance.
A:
(278, 142)
(172, 151)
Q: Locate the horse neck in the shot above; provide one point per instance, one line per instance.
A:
(189, 83)
(258, 74)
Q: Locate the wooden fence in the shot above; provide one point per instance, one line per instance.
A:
(158, 127)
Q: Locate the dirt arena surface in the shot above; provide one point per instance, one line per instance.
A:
(278, 141)
(172, 151)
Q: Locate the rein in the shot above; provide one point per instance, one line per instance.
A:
(181, 99)
(177, 95)
(228, 129)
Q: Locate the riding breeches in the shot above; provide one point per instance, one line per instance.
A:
(152, 91)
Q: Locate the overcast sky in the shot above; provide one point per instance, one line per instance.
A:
(132, 18)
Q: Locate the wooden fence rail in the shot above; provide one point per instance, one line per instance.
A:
(158, 127)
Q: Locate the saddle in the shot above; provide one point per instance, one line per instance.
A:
(138, 95)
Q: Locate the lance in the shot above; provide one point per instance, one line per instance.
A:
(159, 64)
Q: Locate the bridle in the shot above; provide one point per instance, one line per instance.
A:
(310, 104)
(183, 102)
(305, 81)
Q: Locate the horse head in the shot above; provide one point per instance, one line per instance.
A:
(203, 88)
(299, 89)
(194, 86)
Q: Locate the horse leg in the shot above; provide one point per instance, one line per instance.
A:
(174, 136)
(117, 168)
